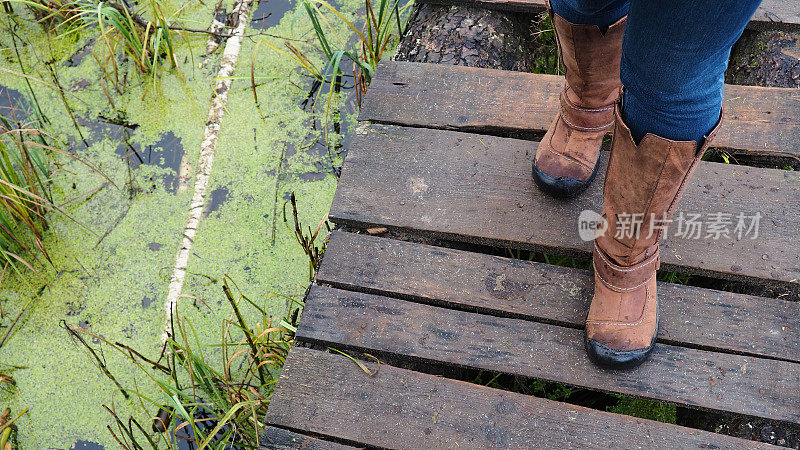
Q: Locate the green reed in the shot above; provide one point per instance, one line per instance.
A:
(214, 396)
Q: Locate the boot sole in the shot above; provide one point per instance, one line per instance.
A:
(562, 187)
(609, 358)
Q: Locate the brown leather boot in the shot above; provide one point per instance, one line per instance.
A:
(643, 185)
(567, 158)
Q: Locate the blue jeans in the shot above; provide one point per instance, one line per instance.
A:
(674, 55)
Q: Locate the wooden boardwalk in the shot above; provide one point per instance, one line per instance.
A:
(440, 170)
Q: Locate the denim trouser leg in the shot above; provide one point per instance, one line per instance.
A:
(591, 12)
(674, 56)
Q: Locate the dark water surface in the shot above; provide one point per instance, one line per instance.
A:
(269, 12)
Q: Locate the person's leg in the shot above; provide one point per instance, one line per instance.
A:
(591, 12)
(589, 36)
(673, 61)
(674, 56)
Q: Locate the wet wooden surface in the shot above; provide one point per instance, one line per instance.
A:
(329, 394)
(772, 14)
(759, 121)
(702, 379)
(478, 189)
(432, 168)
(274, 438)
(505, 287)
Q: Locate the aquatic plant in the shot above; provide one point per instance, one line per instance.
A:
(307, 240)
(145, 43)
(211, 397)
(383, 25)
(52, 13)
(27, 163)
(24, 192)
(25, 201)
(8, 428)
(122, 31)
(373, 38)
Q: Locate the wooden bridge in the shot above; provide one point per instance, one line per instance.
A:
(434, 201)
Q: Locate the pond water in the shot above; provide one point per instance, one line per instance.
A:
(112, 258)
(268, 13)
(13, 104)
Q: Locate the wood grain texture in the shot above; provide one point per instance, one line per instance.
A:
(328, 394)
(772, 14)
(475, 188)
(777, 14)
(380, 325)
(689, 316)
(758, 120)
(274, 438)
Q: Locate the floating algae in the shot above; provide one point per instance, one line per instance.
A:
(113, 279)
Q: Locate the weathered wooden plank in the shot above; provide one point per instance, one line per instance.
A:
(702, 379)
(478, 188)
(772, 14)
(274, 438)
(776, 14)
(396, 408)
(758, 120)
(689, 316)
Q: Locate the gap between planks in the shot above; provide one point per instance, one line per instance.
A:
(465, 187)
(690, 316)
(396, 328)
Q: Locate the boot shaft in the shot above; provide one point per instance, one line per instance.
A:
(591, 60)
(643, 185)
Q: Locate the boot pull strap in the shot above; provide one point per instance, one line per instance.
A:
(586, 119)
(625, 278)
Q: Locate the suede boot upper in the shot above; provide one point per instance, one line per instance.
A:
(591, 61)
(642, 188)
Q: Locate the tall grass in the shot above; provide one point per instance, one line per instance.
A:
(381, 21)
(27, 164)
(25, 200)
(211, 396)
(124, 34)
(53, 13)
(380, 32)
(146, 45)
(24, 193)
(143, 43)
